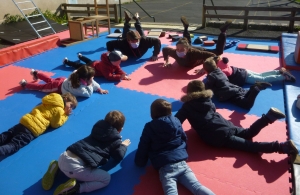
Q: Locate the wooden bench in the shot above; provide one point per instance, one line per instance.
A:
(88, 10)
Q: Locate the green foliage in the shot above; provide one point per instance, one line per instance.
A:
(18, 18)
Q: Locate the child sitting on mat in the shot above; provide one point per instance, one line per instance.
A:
(81, 160)
(241, 76)
(218, 82)
(163, 141)
(108, 67)
(216, 131)
(80, 83)
(53, 111)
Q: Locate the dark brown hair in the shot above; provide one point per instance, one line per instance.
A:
(195, 86)
(159, 108)
(68, 97)
(116, 119)
(84, 72)
(183, 41)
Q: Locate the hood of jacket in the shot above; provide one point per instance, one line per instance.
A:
(53, 99)
(195, 95)
(105, 59)
(103, 132)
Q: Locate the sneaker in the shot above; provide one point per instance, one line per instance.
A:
(34, 74)
(225, 26)
(288, 76)
(70, 187)
(136, 17)
(262, 85)
(23, 83)
(184, 22)
(274, 114)
(288, 147)
(127, 16)
(65, 60)
(49, 176)
(79, 55)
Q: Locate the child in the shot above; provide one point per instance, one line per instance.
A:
(81, 160)
(218, 82)
(108, 67)
(134, 43)
(214, 130)
(163, 141)
(240, 76)
(53, 111)
(80, 83)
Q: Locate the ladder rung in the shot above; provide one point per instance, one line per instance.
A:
(23, 2)
(38, 22)
(34, 15)
(43, 29)
(29, 8)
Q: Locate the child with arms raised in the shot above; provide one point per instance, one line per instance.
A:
(53, 111)
(163, 141)
(81, 160)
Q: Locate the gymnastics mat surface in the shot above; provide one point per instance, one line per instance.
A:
(288, 42)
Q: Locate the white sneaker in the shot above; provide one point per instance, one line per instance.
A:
(65, 60)
(79, 55)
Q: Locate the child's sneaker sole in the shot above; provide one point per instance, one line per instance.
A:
(65, 187)
(49, 176)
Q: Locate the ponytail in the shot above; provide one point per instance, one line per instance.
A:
(84, 72)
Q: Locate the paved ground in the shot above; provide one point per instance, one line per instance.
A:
(169, 11)
(167, 15)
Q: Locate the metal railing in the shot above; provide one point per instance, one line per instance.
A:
(132, 13)
(292, 18)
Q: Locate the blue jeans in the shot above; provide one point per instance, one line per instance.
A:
(269, 76)
(181, 172)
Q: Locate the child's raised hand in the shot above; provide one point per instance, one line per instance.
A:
(127, 78)
(126, 142)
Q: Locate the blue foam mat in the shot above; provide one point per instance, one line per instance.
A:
(21, 173)
(293, 113)
(288, 48)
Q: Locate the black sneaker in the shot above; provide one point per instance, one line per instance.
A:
(225, 26)
(34, 74)
(23, 83)
(127, 16)
(274, 114)
(288, 147)
(288, 76)
(136, 17)
(184, 22)
(262, 85)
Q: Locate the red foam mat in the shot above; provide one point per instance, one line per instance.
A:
(171, 82)
(227, 171)
(15, 74)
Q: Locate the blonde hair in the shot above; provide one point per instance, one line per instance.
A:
(116, 119)
(68, 97)
(84, 72)
(210, 65)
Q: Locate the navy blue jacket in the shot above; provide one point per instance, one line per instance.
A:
(201, 113)
(238, 76)
(103, 142)
(163, 141)
(218, 82)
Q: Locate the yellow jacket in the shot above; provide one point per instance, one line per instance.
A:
(50, 112)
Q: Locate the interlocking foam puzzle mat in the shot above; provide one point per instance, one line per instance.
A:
(224, 171)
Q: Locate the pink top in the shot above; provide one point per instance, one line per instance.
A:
(225, 68)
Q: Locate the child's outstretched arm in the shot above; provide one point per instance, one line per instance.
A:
(120, 150)
(141, 156)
